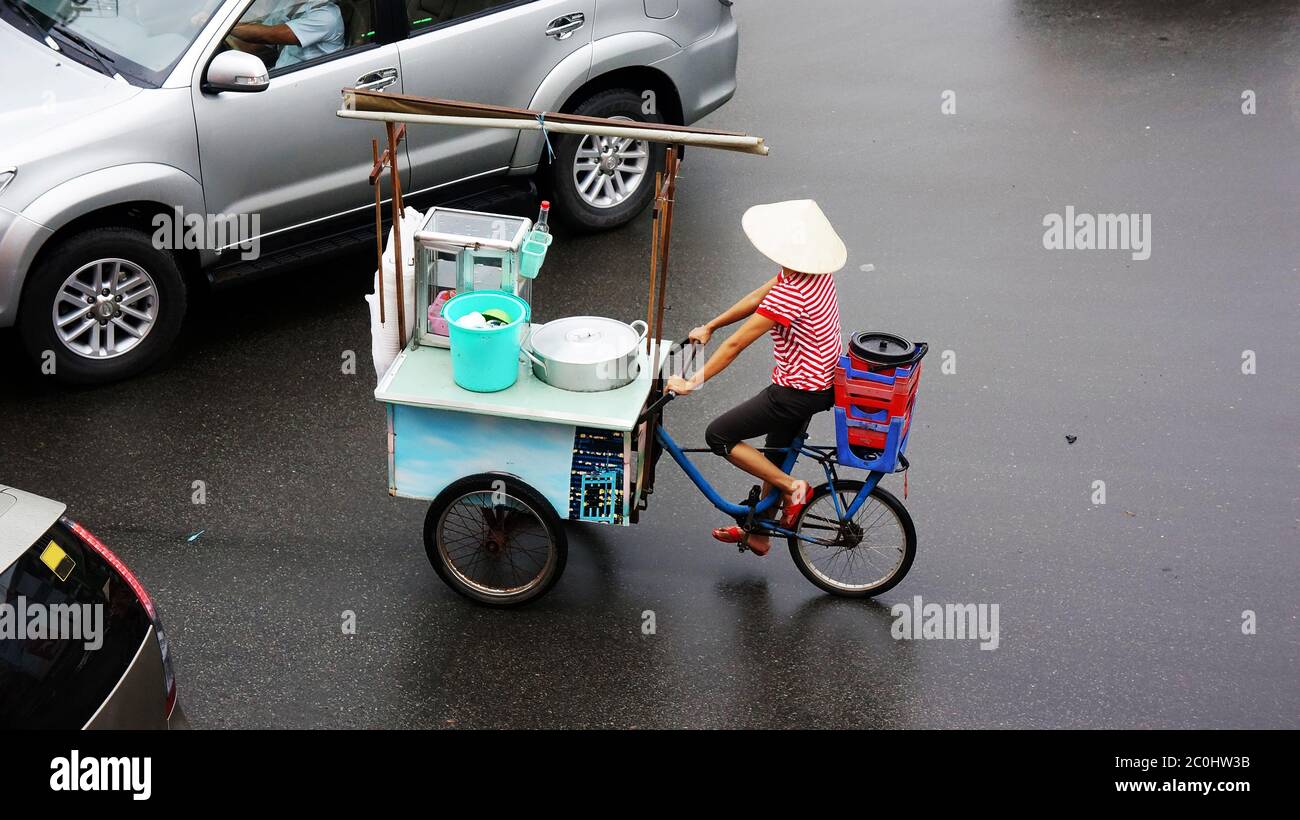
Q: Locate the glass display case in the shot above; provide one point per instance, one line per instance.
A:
(459, 251)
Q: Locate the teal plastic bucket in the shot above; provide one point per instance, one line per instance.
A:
(486, 360)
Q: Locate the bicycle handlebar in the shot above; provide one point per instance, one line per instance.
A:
(668, 395)
(655, 406)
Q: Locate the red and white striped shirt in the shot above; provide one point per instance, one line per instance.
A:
(806, 340)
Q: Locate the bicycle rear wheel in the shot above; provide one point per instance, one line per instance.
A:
(856, 557)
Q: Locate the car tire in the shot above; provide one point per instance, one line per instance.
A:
(120, 254)
(586, 211)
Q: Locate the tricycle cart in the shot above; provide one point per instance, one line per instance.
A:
(504, 470)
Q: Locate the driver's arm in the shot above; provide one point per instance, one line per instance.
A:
(277, 35)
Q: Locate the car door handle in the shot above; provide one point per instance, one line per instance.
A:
(562, 28)
(377, 80)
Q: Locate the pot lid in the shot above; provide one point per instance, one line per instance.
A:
(881, 348)
(584, 340)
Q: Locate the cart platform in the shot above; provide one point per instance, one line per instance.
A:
(421, 377)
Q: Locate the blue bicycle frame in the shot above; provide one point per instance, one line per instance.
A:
(743, 512)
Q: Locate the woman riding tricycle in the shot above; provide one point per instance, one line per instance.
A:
(851, 538)
(799, 308)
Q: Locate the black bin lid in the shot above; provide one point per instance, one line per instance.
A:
(881, 348)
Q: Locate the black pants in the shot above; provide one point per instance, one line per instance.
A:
(780, 412)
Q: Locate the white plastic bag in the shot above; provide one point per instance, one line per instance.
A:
(384, 342)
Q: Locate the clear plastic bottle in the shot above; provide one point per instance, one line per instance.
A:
(543, 218)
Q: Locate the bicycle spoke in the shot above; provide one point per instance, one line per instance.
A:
(497, 546)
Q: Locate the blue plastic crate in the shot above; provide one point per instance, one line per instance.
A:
(887, 459)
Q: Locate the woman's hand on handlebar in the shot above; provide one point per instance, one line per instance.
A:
(680, 386)
(700, 335)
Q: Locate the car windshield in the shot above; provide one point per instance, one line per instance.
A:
(139, 39)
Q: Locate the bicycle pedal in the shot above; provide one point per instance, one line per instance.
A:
(743, 543)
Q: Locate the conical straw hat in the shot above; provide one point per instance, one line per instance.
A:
(796, 235)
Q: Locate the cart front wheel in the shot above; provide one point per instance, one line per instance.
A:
(495, 540)
(858, 556)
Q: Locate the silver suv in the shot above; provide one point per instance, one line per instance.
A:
(151, 146)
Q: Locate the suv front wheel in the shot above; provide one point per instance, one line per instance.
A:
(105, 304)
(603, 182)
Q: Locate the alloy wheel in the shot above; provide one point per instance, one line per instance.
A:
(105, 308)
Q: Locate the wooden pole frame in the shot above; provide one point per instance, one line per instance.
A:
(375, 171)
(666, 231)
(654, 269)
(362, 105)
(387, 161)
(395, 111)
(660, 243)
(396, 132)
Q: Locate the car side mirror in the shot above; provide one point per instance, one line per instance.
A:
(236, 71)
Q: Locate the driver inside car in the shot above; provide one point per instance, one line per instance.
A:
(301, 29)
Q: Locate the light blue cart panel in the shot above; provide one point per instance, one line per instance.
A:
(431, 448)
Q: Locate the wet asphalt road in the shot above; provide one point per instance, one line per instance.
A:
(1126, 614)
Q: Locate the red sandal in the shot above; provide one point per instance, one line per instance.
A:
(798, 500)
(729, 535)
(757, 544)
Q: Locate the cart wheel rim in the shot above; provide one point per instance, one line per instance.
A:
(609, 170)
(867, 550)
(495, 544)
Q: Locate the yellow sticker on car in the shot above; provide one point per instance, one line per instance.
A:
(58, 561)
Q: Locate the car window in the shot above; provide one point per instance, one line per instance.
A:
(49, 680)
(287, 33)
(424, 14)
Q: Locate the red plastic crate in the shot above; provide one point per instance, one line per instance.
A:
(875, 396)
(872, 399)
(870, 405)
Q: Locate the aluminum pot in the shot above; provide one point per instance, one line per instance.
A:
(586, 354)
